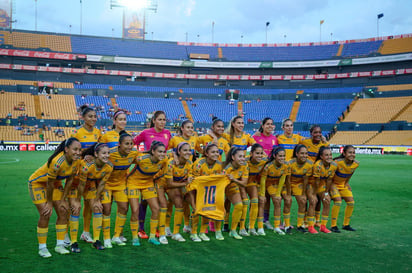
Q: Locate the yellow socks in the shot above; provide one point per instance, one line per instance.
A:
(42, 235)
(97, 225)
(335, 213)
(119, 225)
(106, 227)
(245, 205)
(260, 222)
(253, 212)
(74, 228)
(301, 217)
(348, 212)
(134, 225)
(236, 215)
(177, 220)
(162, 221)
(286, 219)
(153, 227)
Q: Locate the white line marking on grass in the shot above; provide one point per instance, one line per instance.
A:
(13, 161)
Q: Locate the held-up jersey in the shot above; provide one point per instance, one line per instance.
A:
(313, 149)
(222, 144)
(200, 167)
(143, 172)
(86, 138)
(344, 172)
(59, 170)
(299, 171)
(242, 142)
(210, 195)
(289, 143)
(121, 164)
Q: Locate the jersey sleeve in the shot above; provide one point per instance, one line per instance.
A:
(84, 170)
(53, 170)
(139, 138)
(251, 140)
(317, 169)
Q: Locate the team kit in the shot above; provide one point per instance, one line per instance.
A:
(184, 181)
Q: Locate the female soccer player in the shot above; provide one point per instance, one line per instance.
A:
(186, 134)
(88, 135)
(238, 138)
(323, 171)
(207, 165)
(274, 178)
(122, 157)
(140, 181)
(93, 176)
(119, 124)
(300, 168)
(46, 191)
(216, 137)
(156, 132)
(265, 136)
(341, 188)
(178, 174)
(288, 140)
(238, 173)
(255, 164)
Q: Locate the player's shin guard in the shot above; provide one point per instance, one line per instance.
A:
(74, 228)
(276, 222)
(119, 225)
(60, 233)
(286, 219)
(324, 220)
(162, 221)
(42, 235)
(245, 205)
(195, 222)
(177, 220)
(153, 227)
(335, 213)
(134, 225)
(236, 214)
(254, 207)
(301, 217)
(348, 212)
(97, 225)
(260, 222)
(106, 227)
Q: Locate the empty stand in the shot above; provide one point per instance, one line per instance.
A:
(321, 111)
(394, 87)
(352, 137)
(392, 138)
(25, 40)
(396, 46)
(360, 49)
(59, 107)
(206, 109)
(102, 104)
(376, 110)
(10, 100)
(277, 110)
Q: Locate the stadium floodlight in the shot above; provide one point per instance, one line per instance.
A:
(134, 4)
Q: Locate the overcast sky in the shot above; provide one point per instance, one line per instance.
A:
(290, 21)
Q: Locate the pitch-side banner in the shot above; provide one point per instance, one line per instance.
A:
(133, 24)
(4, 13)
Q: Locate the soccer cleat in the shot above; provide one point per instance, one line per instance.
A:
(312, 230)
(253, 232)
(124, 239)
(301, 229)
(44, 252)
(75, 248)
(168, 232)
(178, 237)
(279, 231)
(142, 234)
(268, 225)
(348, 228)
(154, 241)
(118, 241)
(324, 229)
(288, 230)
(67, 242)
(226, 228)
(86, 237)
(108, 243)
(61, 249)
(261, 232)
(212, 226)
(282, 226)
(204, 237)
(234, 234)
(187, 229)
(335, 229)
(243, 233)
(219, 235)
(98, 245)
(163, 240)
(195, 238)
(136, 242)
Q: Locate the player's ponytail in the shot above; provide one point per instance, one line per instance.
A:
(65, 143)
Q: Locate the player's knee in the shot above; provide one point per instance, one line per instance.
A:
(350, 203)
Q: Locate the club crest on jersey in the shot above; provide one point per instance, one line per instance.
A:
(165, 136)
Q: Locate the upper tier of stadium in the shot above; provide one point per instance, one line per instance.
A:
(214, 52)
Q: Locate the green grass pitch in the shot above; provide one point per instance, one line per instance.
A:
(382, 188)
